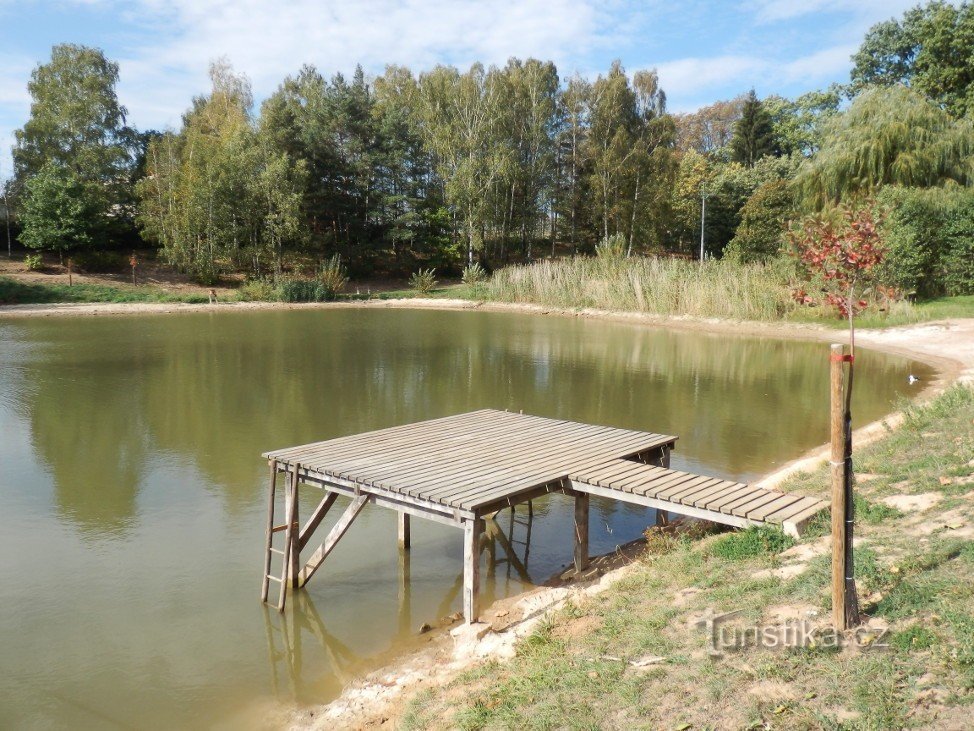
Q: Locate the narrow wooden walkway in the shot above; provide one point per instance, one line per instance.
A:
(459, 469)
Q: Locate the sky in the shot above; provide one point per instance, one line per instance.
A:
(704, 50)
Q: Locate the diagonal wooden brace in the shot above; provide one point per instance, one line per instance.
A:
(332, 539)
(315, 520)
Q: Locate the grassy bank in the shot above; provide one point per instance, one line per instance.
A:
(915, 568)
(15, 292)
(675, 287)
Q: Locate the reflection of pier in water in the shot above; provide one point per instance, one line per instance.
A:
(286, 632)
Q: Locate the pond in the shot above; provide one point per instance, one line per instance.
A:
(132, 491)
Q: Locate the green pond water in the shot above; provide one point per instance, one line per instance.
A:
(132, 492)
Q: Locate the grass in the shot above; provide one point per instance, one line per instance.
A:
(14, 292)
(676, 287)
(913, 573)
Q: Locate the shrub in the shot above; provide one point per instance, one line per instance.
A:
(423, 281)
(612, 247)
(333, 276)
(761, 231)
(34, 262)
(257, 290)
(303, 290)
(929, 234)
(474, 274)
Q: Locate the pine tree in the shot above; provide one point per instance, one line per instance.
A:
(753, 134)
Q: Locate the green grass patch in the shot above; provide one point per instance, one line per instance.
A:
(13, 292)
(913, 638)
(751, 542)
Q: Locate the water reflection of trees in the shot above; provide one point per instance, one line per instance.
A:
(88, 427)
(216, 390)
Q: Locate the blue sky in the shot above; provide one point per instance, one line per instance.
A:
(704, 50)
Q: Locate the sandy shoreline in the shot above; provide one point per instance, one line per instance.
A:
(377, 699)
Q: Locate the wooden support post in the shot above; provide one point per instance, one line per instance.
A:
(403, 531)
(293, 539)
(271, 489)
(581, 531)
(662, 517)
(331, 540)
(471, 569)
(839, 502)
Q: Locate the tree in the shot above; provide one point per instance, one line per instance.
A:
(59, 213)
(888, 136)
(928, 49)
(709, 130)
(462, 117)
(753, 133)
(763, 218)
(218, 194)
(77, 124)
(799, 125)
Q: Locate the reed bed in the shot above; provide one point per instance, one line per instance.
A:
(657, 286)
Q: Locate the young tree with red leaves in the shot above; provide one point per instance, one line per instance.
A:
(842, 258)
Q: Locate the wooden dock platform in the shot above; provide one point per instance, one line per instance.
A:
(460, 469)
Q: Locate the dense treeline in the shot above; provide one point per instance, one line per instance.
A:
(447, 167)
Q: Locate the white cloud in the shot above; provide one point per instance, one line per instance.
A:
(772, 11)
(270, 40)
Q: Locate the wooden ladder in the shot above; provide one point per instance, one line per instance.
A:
(290, 528)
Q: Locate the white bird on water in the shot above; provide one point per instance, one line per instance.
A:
(911, 379)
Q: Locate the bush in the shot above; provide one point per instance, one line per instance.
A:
(929, 233)
(333, 276)
(423, 281)
(34, 262)
(759, 236)
(257, 290)
(303, 290)
(474, 274)
(612, 247)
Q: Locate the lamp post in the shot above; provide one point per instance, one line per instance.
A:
(703, 216)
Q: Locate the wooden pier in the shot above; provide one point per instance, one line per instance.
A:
(460, 469)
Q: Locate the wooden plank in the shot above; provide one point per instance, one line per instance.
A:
(331, 540)
(728, 497)
(711, 494)
(767, 497)
(540, 473)
(795, 523)
(288, 453)
(787, 512)
(362, 444)
(782, 501)
(651, 502)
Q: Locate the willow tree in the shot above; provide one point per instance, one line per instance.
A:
(888, 136)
